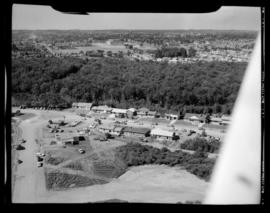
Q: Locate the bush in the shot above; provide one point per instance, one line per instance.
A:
(55, 160)
(201, 144)
(75, 166)
(20, 147)
(57, 180)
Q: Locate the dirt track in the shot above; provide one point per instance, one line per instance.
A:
(140, 184)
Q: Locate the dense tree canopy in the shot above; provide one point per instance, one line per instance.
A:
(199, 87)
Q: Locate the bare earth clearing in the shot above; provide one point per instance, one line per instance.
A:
(139, 184)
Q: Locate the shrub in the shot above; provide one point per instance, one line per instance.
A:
(55, 160)
(200, 144)
(57, 180)
(75, 166)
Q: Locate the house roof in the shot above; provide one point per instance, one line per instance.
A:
(152, 113)
(226, 118)
(215, 119)
(132, 109)
(106, 126)
(115, 110)
(144, 109)
(139, 130)
(101, 108)
(118, 128)
(226, 122)
(82, 104)
(194, 117)
(171, 115)
(161, 132)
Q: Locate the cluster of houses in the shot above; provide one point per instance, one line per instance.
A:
(139, 132)
(145, 112)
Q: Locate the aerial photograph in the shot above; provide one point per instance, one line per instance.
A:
(123, 107)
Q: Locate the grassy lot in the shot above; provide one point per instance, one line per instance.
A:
(58, 180)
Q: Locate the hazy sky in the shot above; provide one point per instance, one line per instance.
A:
(44, 17)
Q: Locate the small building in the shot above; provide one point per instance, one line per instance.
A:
(171, 116)
(101, 109)
(111, 129)
(131, 112)
(225, 120)
(121, 113)
(82, 106)
(72, 140)
(136, 131)
(215, 120)
(142, 112)
(106, 128)
(152, 114)
(161, 134)
(194, 118)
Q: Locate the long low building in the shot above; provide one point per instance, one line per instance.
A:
(120, 112)
(82, 105)
(136, 131)
(161, 134)
(102, 109)
(112, 129)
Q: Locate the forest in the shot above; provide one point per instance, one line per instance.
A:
(202, 87)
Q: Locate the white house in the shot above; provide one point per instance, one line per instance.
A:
(119, 112)
(161, 134)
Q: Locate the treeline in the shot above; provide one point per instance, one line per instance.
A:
(201, 144)
(135, 154)
(197, 88)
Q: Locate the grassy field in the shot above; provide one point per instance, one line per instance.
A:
(58, 180)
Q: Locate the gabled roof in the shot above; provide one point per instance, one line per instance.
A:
(144, 109)
(194, 117)
(102, 108)
(118, 129)
(106, 126)
(226, 118)
(215, 119)
(132, 109)
(82, 104)
(161, 132)
(152, 113)
(139, 130)
(116, 110)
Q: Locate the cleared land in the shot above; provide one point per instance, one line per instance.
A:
(69, 176)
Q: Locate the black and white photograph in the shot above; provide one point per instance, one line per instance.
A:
(136, 107)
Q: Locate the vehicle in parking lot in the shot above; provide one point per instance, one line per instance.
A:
(81, 151)
(39, 164)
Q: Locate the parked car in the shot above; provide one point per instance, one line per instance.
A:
(23, 141)
(81, 151)
(53, 142)
(39, 164)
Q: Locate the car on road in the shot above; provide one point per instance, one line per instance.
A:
(39, 164)
(40, 154)
(81, 151)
